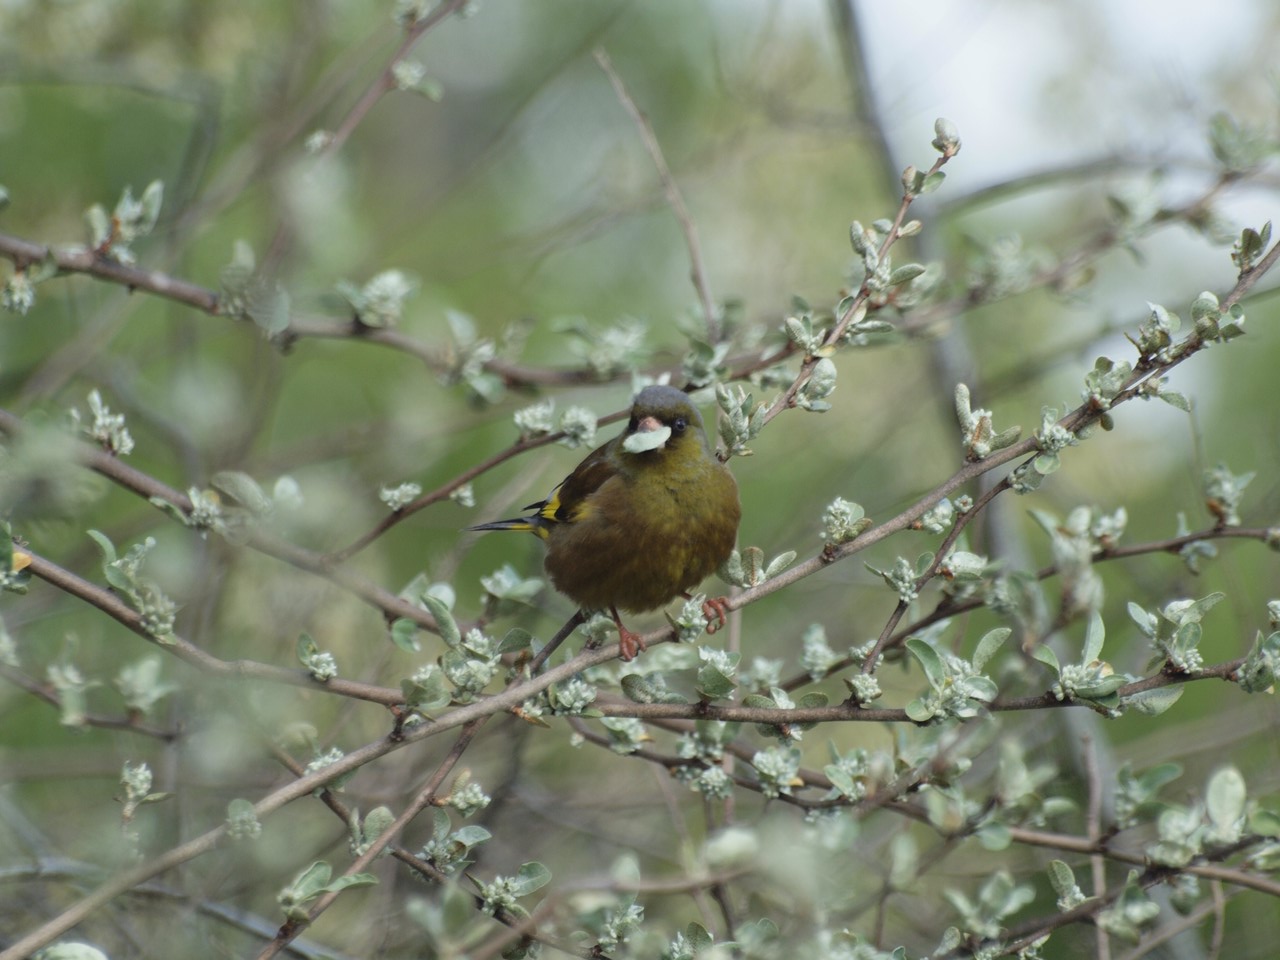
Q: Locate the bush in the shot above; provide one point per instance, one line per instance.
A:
(964, 702)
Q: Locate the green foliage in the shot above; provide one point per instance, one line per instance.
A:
(545, 279)
(313, 882)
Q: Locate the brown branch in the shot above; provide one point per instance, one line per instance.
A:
(25, 254)
(110, 604)
(697, 270)
(1084, 846)
(424, 868)
(385, 80)
(857, 305)
(442, 492)
(147, 487)
(849, 712)
(47, 692)
(508, 699)
(77, 260)
(949, 608)
(426, 796)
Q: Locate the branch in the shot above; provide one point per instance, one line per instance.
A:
(131, 723)
(512, 697)
(426, 796)
(110, 604)
(385, 81)
(149, 488)
(849, 712)
(672, 190)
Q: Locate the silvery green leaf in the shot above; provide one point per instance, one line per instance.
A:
(268, 306)
(905, 273)
(1044, 653)
(404, 634)
(988, 645)
(1155, 702)
(1094, 636)
(779, 563)
(152, 199)
(1225, 801)
(530, 877)
(646, 440)
(243, 488)
(449, 632)
(929, 661)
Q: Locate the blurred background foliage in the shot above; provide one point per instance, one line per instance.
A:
(524, 200)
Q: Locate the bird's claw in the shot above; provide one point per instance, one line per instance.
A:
(631, 643)
(715, 611)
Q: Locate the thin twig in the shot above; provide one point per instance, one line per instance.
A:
(697, 271)
(426, 796)
(132, 723)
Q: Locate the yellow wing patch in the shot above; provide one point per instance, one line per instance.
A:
(553, 511)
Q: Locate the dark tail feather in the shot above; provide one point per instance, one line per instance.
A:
(519, 523)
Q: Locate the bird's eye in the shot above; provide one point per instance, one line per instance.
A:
(678, 425)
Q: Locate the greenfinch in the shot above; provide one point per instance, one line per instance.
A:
(643, 519)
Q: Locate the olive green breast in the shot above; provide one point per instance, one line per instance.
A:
(646, 536)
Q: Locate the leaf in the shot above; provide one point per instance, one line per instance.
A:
(932, 182)
(449, 631)
(988, 645)
(711, 684)
(905, 273)
(150, 203)
(104, 544)
(530, 877)
(1044, 653)
(376, 822)
(917, 711)
(404, 634)
(426, 692)
(1155, 702)
(1265, 823)
(350, 880)
(929, 661)
(312, 880)
(472, 835)
(1225, 797)
(1061, 877)
(646, 440)
(1146, 622)
(698, 937)
(243, 489)
(71, 951)
(1094, 635)
(994, 836)
(516, 639)
(779, 563)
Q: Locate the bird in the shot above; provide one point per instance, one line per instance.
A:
(646, 517)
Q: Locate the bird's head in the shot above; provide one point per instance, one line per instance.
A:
(663, 419)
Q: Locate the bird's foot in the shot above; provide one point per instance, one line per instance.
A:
(715, 610)
(630, 643)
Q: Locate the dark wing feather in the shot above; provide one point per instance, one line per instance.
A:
(567, 500)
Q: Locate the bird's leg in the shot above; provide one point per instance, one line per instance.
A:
(631, 643)
(715, 611)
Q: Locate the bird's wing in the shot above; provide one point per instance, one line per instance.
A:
(571, 500)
